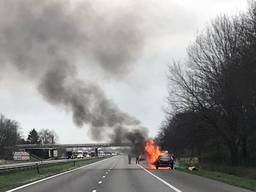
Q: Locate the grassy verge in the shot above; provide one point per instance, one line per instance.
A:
(237, 176)
(13, 179)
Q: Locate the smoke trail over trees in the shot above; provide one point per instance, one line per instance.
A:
(43, 41)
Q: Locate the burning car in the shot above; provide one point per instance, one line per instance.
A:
(164, 161)
(156, 158)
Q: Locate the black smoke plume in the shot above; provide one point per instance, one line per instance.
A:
(44, 39)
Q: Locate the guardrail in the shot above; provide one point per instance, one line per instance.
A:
(37, 164)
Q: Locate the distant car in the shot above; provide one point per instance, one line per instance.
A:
(164, 161)
(87, 156)
(80, 156)
(69, 155)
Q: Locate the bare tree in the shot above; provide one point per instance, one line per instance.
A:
(219, 84)
(9, 136)
(47, 136)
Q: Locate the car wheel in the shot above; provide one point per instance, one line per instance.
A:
(156, 167)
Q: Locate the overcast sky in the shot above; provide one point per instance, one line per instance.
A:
(165, 29)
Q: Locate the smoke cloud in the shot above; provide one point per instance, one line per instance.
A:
(43, 41)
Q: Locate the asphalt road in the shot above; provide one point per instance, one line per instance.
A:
(116, 175)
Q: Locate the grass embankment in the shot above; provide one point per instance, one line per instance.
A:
(12, 179)
(3, 162)
(238, 176)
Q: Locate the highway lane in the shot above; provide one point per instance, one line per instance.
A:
(192, 183)
(116, 175)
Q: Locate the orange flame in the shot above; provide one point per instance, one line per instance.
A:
(152, 152)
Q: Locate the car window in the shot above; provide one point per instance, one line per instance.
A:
(166, 158)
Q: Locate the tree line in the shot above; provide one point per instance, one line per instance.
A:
(212, 95)
(10, 135)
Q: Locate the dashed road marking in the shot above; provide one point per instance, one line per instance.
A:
(103, 176)
(100, 182)
(94, 190)
(163, 181)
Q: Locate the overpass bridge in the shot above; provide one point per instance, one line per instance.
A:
(85, 145)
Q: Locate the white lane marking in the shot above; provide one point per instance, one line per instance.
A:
(163, 181)
(47, 178)
(103, 176)
(100, 182)
(94, 190)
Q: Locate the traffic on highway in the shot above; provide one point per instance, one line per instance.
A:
(127, 96)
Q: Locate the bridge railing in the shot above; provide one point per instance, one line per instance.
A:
(28, 146)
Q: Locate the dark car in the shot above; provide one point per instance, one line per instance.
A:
(164, 161)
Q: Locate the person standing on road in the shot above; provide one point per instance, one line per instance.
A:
(138, 159)
(173, 161)
(129, 158)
